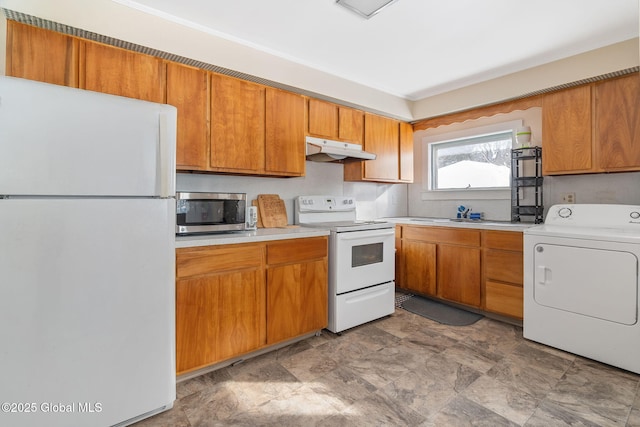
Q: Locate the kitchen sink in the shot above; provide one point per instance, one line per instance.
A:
(430, 219)
(468, 221)
(503, 224)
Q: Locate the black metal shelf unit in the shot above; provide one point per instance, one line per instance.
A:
(531, 205)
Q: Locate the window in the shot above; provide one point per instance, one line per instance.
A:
(474, 162)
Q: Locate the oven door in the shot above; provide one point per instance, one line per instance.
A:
(361, 259)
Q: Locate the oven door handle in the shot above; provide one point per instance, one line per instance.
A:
(361, 234)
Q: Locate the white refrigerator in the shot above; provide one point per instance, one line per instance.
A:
(87, 261)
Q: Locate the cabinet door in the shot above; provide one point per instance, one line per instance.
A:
(220, 303)
(37, 54)
(121, 72)
(617, 123)
(419, 266)
(459, 274)
(188, 91)
(285, 127)
(296, 300)
(323, 119)
(406, 152)
(504, 298)
(566, 131)
(297, 294)
(503, 272)
(504, 266)
(381, 136)
(351, 125)
(237, 125)
(218, 317)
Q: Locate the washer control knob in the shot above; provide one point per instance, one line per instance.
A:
(564, 213)
(634, 215)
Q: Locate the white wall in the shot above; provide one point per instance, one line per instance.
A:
(597, 62)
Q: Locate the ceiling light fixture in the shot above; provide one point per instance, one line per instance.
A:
(365, 8)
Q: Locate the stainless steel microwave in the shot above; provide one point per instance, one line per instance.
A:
(201, 213)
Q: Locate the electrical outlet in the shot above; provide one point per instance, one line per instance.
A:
(568, 198)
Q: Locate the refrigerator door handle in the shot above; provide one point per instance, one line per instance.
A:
(167, 173)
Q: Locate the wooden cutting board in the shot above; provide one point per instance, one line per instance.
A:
(272, 210)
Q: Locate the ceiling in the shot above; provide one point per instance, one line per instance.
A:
(413, 49)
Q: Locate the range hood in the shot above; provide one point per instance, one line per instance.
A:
(325, 150)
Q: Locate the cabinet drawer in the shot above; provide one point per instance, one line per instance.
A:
(296, 250)
(504, 299)
(504, 266)
(442, 235)
(507, 240)
(215, 259)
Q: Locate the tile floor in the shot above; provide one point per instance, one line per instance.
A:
(405, 370)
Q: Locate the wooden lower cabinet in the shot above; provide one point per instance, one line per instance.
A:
(479, 268)
(297, 294)
(231, 301)
(442, 262)
(458, 270)
(503, 272)
(220, 309)
(419, 262)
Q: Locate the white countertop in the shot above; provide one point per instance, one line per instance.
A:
(259, 235)
(443, 222)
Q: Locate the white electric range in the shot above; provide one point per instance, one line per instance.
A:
(361, 260)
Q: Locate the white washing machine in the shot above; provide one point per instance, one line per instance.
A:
(581, 282)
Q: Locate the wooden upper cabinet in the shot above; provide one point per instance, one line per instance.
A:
(333, 121)
(285, 131)
(381, 136)
(617, 123)
(122, 72)
(406, 152)
(43, 55)
(392, 142)
(237, 125)
(592, 128)
(566, 131)
(188, 91)
(351, 125)
(323, 119)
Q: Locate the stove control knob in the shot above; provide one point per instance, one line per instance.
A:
(564, 213)
(634, 215)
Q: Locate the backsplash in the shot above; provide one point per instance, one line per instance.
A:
(373, 200)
